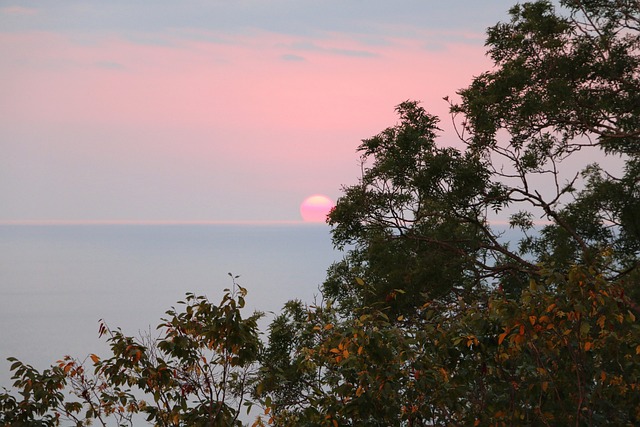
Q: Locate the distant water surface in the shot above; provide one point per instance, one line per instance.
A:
(57, 281)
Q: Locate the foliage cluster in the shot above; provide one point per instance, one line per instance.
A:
(434, 317)
(197, 372)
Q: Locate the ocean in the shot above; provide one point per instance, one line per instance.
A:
(58, 281)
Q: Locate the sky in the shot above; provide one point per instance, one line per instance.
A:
(216, 110)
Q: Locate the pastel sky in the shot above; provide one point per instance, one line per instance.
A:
(214, 110)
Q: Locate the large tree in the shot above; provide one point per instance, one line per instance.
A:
(563, 86)
(564, 83)
(434, 317)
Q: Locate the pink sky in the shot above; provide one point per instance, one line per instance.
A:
(205, 124)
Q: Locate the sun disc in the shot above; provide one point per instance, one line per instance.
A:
(316, 208)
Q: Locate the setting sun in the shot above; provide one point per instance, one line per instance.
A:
(316, 208)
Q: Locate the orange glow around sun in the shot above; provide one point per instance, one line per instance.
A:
(316, 208)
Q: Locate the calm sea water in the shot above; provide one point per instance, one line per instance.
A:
(56, 282)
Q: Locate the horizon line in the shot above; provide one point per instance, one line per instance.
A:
(45, 222)
(155, 222)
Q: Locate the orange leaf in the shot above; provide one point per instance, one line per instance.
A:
(588, 345)
(445, 375)
(95, 358)
(501, 337)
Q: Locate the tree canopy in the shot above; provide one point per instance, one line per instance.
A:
(435, 316)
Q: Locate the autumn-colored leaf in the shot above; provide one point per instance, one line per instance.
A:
(445, 374)
(501, 337)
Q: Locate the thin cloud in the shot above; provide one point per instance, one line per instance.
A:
(354, 53)
(19, 11)
(294, 58)
(434, 47)
(110, 65)
(314, 47)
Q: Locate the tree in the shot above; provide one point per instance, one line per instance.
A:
(415, 218)
(433, 318)
(564, 84)
(567, 352)
(420, 216)
(197, 372)
(568, 76)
